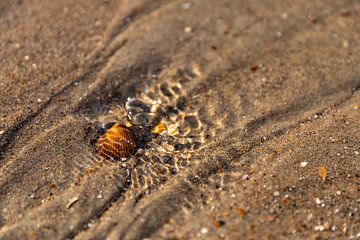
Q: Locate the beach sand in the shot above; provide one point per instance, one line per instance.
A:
(260, 99)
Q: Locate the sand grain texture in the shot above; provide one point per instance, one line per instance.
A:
(276, 88)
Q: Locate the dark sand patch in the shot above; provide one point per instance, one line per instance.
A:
(248, 167)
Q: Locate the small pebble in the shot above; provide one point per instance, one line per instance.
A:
(284, 15)
(186, 5)
(219, 223)
(303, 164)
(346, 13)
(166, 159)
(2, 132)
(39, 100)
(253, 67)
(241, 212)
(319, 228)
(276, 194)
(188, 29)
(318, 201)
(245, 177)
(26, 58)
(204, 230)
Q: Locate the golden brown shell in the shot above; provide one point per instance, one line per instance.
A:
(116, 143)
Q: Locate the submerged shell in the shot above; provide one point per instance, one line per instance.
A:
(159, 129)
(116, 143)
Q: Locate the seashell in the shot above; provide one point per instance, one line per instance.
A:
(117, 142)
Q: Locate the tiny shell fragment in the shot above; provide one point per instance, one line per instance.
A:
(71, 202)
(89, 170)
(322, 172)
(241, 212)
(159, 129)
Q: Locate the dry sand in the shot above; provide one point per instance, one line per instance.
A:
(265, 95)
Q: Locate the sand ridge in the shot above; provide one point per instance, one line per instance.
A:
(274, 87)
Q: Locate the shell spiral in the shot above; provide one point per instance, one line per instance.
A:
(116, 143)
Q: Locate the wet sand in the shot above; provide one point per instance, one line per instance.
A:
(260, 99)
